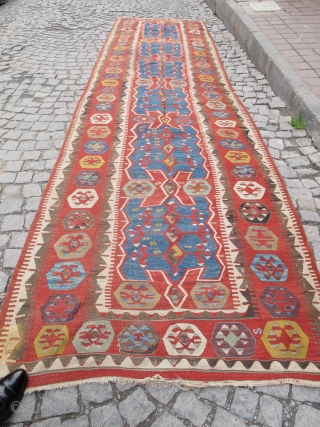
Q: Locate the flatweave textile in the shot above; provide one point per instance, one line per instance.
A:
(166, 247)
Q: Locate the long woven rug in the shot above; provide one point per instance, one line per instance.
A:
(165, 247)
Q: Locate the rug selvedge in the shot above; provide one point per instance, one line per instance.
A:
(165, 242)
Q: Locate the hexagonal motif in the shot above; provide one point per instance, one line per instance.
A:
(144, 82)
(233, 339)
(144, 118)
(94, 336)
(98, 132)
(260, 238)
(94, 162)
(184, 339)
(211, 296)
(51, 340)
(78, 220)
(205, 70)
(106, 106)
(64, 276)
(212, 95)
(105, 97)
(108, 90)
(60, 308)
(227, 133)
(95, 146)
(285, 339)
(112, 76)
(280, 301)
(74, 245)
(208, 86)
(197, 187)
(113, 69)
(220, 115)
(244, 172)
(249, 190)
(138, 339)
(110, 82)
(216, 105)
(206, 78)
(102, 119)
(83, 198)
(139, 188)
(87, 179)
(184, 120)
(254, 212)
(238, 157)
(178, 83)
(226, 123)
(269, 268)
(232, 144)
(137, 295)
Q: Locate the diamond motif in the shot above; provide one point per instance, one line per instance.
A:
(184, 339)
(232, 340)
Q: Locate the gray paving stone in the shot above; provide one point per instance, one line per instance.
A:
(13, 166)
(17, 239)
(244, 403)
(223, 418)
(59, 402)
(31, 155)
(124, 386)
(41, 177)
(24, 177)
(106, 416)
(167, 420)
(30, 190)
(189, 407)
(163, 394)
(4, 278)
(11, 257)
(10, 206)
(12, 223)
(136, 408)
(266, 416)
(281, 391)
(215, 394)
(309, 216)
(287, 172)
(25, 411)
(7, 177)
(95, 393)
(82, 421)
(11, 191)
(306, 394)
(51, 422)
(32, 203)
(307, 416)
(298, 162)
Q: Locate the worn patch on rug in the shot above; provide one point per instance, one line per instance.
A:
(166, 245)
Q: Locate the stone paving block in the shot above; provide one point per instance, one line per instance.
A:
(271, 418)
(41, 177)
(59, 402)
(309, 216)
(298, 162)
(50, 164)
(13, 166)
(28, 221)
(11, 257)
(32, 190)
(306, 394)
(11, 191)
(32, 203)
(162, 394)
(36, 166)
(31, 155)
(17, 239)
(215, 394)
(6, 178)
(287, 172)
(281, 391)
(189, 407)
(50, 154)
(10, 206)
(24, 177)
(4, 278)
(51, 422)
(106, 416)
(125, 386)
(25, 411)
(4, 239)
(136, 407)
(244, 403)
(304, 198)
(307, 416)
(82, 421)
(95, 392)
(167, 420)
(12, 155)
(223, 418)
(12, 223)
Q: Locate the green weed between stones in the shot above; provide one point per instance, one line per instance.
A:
(298, 123)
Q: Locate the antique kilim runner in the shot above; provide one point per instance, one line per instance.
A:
(166, 245)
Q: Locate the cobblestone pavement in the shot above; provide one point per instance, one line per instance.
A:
(48, 48)
(295, 32)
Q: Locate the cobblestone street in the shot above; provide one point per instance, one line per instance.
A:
(48, 49)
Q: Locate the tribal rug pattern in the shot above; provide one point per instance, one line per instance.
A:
(165, 243)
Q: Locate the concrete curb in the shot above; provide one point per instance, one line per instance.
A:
(283, 79)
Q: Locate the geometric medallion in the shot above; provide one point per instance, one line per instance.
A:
(254, 212)
(249, 190)
(93, 162)
(280, 301)
(135, 188)
(95, 146)
(261, 238)
(60, 308)
(244, 172)
(51, 340)
(212, 95)
(232, 144)
(65, 275)
(216, 105)
(227, 133)
(138, 339)
(198, 187)
(98, 132)
(220, 114)
(107, 106)
(74, 245)
(87, 179)
(269, 268)
(78, 220)
(226, 123)
(184, 339)
(285, 340)
(238, 157)
(94, 336)
(137, 295)
(100, 118)
(234, 340)
(210, 295)
(83, 198)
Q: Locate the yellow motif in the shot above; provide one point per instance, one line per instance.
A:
(51, 340)
(238, 157)
(206, 78)
(91, 162)
(109, 82)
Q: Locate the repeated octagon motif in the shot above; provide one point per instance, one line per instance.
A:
(269, 268)
(101, 118)
(98, 132)
(198, 187)
(78, 220)
(87, 179)
(280, 301)
(95, 146)
(137, 295)
(83, 198)
(184, 339)
(233, 340)
(244, 172)
(255, 212)
(227, 133)
(238, 157)
(226, 123)
(74, 245)
(91, 162)
(138, 339)
(249, 190)
(65, 276)
(94, 336)
(260, 238)
(51, 340)
(138, 188)
(216, 105)
(60, 308)
(210, 296)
